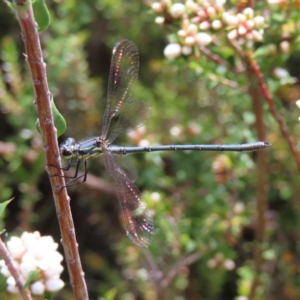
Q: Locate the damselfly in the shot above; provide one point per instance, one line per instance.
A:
(131, 114)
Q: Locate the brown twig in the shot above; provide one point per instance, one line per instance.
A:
(42, 97)
(25, 294)
(220, 61)
(265, 91)
(262, 178)
(183, 262)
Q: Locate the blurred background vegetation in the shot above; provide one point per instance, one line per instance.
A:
(204, 203)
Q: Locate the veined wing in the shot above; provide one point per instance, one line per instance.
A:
(137, 218)
(122, 77)
(132, 115)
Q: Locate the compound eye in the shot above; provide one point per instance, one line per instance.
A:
(66, 153)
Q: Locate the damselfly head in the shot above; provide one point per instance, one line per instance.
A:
(67, 148)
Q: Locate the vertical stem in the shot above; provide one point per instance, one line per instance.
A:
(42, 101)
(14, 272)
(262, 178)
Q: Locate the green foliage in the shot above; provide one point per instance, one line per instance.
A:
(41, 14)
(195, 211)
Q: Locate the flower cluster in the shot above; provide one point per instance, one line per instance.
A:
(219, 261)
(200, 20)
(32, 252)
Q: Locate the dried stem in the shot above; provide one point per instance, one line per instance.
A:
(265, 91)
(262, 178)
(25, 294)
(42, 101)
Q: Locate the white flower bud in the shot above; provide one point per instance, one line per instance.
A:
(259, 21)
(26, 269)
(172, 50)
(192, 29)
(229, 264)
(205, 25)
(157, 7)
(53, 285)
(53, 270)
(280, 73)
(230, 20)
(159, 20)
(186, 50)
(177, 10)
(211, 11)
(12, 289)
(182, 33)
(241, 18)
(285, 47)
(219, 4)
(15, 247)
(212, 263)
(238, 207)
(249, 36)
(216, 24)
(189, 40)
(37, 288)
(248, 12)
(257, 35)
(232, 34)
(250, 24)
(298, 103)
(242, 30)
(203, 39)
(190, 4)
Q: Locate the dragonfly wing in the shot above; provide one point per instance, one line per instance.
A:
(133, 115)
(137, 218)
(122, 77)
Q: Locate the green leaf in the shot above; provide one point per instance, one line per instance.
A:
(41, 14)
(111, 294)
(3, 205)
(59, 120)
(32, 276)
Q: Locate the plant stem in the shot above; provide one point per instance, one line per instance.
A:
(25, 294)
(42, 101)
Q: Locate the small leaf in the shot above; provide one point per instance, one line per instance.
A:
(59, 120)
(41, 14)
(32, 276)
(3, 205)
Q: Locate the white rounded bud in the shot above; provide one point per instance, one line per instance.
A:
(186, 50)
(241, 18)
(159, 20)
(232, 34)
(242, 30)
(250, 24)
(189, 40)
(285, 47)
(203, 39)
(211, 11)
(37, 288)
(177, 10)
(216, 24)
(192, 28)
(53, 285)
(230, 20)
(257, 35)
(172, 50)
(205, 25)
(248, 12)
(182, 33)
(259, 21)
(157, 7)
